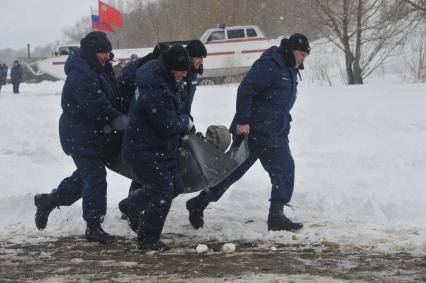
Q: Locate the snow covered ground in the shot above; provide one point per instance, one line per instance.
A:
(360, 156)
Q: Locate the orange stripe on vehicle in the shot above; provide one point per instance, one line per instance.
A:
(221, 53)
(235, 40)
(253, 51)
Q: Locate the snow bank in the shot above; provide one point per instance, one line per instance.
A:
(360, 163)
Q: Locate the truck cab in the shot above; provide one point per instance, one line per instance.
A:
(223, 34)
(66, 49)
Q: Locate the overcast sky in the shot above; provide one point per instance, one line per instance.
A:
(39, 22)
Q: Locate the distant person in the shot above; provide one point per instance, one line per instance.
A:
(2, 71)
(16, 76)
(133, 57)
(151, 142)
(5, 69)
(90, 132)
(264, 100)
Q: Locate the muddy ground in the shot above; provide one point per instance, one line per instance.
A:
(73, 259)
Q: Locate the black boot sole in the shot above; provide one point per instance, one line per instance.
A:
(123, 207)
(38, 199)
(143, 248)
(192, 214)
(288, 229)
(100, 241)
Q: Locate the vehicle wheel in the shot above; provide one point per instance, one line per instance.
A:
(230, 80)
(206, 82)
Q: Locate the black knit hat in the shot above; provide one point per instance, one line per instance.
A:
(177, 58)
(298, 42)
(159, 49)
(196, 49)
(95, 42)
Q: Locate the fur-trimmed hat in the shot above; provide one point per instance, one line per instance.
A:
(177, 58)
(159, 49)
(95, 42)
(196, 49)
(298, 42)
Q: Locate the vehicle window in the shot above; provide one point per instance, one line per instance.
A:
(217, 35)
(63, 51)
(236, 33)
(67, 50)
(251, 32)
(73, 49)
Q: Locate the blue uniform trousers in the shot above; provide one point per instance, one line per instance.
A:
(153, 196)
(277, 161)
(87, 182)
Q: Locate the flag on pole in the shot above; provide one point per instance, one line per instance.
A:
(110, 15)
(97, 24)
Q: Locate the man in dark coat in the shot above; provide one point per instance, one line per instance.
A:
(5, 69)
(151, 142)
(197, 52)
(128, 89)
(89, 130)
(264, 100)
(2, 71)
(127, 78)
(16, 76)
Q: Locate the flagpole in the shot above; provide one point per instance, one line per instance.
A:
(91, 18)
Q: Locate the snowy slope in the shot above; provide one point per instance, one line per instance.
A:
(360, 161)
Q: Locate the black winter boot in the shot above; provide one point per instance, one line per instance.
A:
(123, 206)
(196, 208)
(130, 213)
(45, 203)
(155, 245)
(277, 220)
(95, 233)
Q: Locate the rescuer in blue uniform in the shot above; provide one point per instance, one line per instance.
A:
(264, 100)
(151, 141)
(90, 130)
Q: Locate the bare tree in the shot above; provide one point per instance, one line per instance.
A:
(365, 30)
(415, 61)
(419, 5)
(79, 30)
(43, 51)
(146, 22)
(168, 20)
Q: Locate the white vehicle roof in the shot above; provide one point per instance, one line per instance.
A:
(67, 48)
(232, 33)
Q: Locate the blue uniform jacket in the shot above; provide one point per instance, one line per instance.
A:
(127, 81)
(189, 85)
(156, 120)
(265, 98)
(90, 121)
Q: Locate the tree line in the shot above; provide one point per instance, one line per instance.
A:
(148, 22)
(367, 32)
